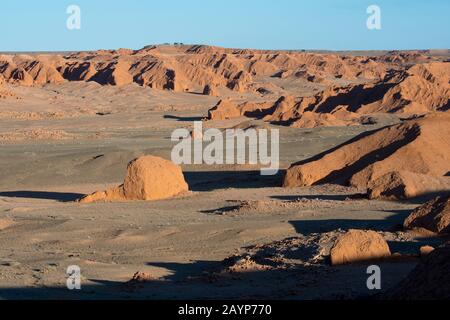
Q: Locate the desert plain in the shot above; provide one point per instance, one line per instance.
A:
(363, 143)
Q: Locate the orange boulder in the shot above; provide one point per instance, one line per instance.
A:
(359, 246)
(148, 178)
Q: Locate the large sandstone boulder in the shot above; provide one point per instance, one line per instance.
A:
(433, 216)
(359, 246)
(400, 185)
(147, 178)
(419, 145)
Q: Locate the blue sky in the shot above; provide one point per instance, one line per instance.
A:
(265, 24)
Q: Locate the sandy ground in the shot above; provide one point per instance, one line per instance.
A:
(58, 143)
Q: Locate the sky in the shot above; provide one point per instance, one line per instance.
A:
(260, 24)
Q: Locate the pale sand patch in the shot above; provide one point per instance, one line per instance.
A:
(5, 223)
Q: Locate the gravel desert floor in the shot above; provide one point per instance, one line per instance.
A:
(235, 234)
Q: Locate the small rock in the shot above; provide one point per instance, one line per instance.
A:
(426, 250)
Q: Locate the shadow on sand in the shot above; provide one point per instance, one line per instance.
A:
(392, 223)
(323, 197)
(214, 180)
(44, 195)
(200, 280)
(191, 282)
(183, 119)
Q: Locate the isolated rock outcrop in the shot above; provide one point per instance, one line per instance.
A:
(400, 185)
(224, 110)
(283, 110)
(419, 145)
(309, 120)
(433, 216)
(359, 246)
(147, 178)
(426, 250)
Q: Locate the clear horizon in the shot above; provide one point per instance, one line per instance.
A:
(335, 25)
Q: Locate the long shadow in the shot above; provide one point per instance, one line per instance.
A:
(342, 175)
(425, 197)
(235, 205)
(223, 210)
(357, 97)
(254, 285)
(183, 119)
(196, 93)
(392, 223)
(321, 155)
(412, 248)
(199, 285)
(354, 99)
(445, 107)
(197, 281)
(102, 290)
(215, 180)
(332, 197)
(45, 195)
(260, 113)
(200, 280)
(181, 275)
(181, 271)
(206, 280)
